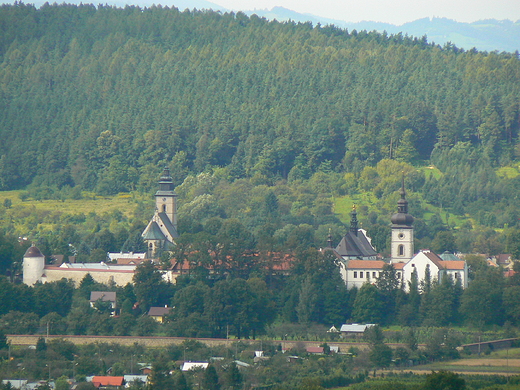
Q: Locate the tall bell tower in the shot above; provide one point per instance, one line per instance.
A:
(161, 232)
(166, 198)
(402, 249)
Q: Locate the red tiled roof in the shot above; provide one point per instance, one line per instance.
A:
(275, 262)
(453, 264)
(109, 380)
(365, 264)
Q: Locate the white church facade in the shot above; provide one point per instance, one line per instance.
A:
(359, 265)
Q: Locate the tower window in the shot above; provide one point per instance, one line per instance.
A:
(400, 250)
(163, 208)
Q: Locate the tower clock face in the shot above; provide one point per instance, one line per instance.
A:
(164, 199)
(400, 235)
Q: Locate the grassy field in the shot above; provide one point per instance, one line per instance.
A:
(44, 215)
(343, 207)
(504, 362)
(124, 202)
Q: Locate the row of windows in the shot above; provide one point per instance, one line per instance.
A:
(375, 274)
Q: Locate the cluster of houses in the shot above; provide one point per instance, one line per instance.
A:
(108, 382)
(109, 298)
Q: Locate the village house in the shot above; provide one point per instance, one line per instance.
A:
(159, 314)
(103, 296)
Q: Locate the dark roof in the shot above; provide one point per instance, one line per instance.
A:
(402, 218)
(159, 311)
(33, 252)
(434, 258)
(449, 256)
(355, 245)
(168, 225)
(105, 296)
(153, 232)
(166, 184)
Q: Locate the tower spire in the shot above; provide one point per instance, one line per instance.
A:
(402, 230)
(353, 220)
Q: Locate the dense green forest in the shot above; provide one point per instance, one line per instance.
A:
(100, 97)
(269, 130)
(291, 116)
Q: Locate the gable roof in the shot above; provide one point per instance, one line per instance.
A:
(159, 311)
(355, 328)
(168, 225)
(105, 296)
(153, 232)
(433, 257)
(355, 244)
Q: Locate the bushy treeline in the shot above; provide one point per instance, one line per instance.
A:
(258, 215)
(215, 303)
(102, 97)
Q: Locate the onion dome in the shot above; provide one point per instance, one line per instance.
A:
(33, 252)
(402, 217)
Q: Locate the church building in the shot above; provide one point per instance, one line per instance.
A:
(359, 264)
(161, 232)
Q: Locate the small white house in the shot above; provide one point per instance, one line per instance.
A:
(438, 268)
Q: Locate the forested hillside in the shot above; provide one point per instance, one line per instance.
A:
(292, 117)
(100, 97)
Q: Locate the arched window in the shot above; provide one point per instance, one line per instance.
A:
(163, 208)
(400, 250)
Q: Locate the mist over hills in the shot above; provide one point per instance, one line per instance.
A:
(484, 35)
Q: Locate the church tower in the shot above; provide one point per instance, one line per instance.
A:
(166, 198)
(402, 231)
(161, 232)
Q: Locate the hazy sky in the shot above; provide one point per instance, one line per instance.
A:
(391, 11)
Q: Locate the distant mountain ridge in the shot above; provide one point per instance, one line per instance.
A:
(484, 35)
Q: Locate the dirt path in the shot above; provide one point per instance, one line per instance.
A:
(487, 362)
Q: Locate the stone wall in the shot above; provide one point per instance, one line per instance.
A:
(121, 278)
